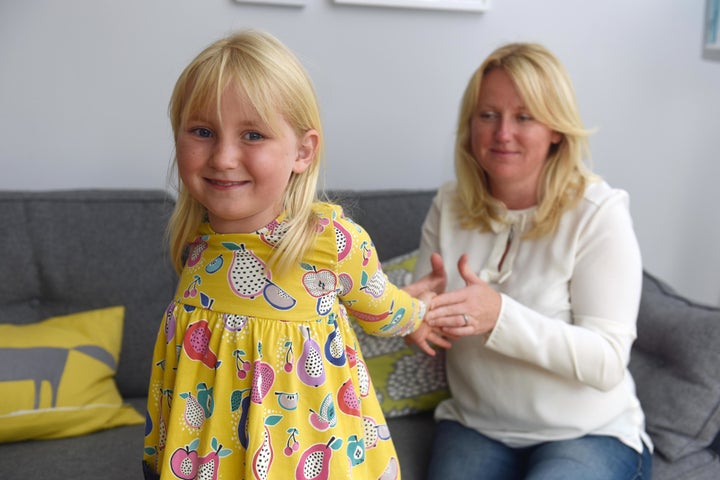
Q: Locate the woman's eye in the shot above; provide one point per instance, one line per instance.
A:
(202, 132)
(488, 115)
(254, 136)
(524, 117)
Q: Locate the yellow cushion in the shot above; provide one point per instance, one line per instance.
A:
(406, 379)
(57, 377)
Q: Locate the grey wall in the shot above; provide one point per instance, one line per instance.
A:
(84, 86)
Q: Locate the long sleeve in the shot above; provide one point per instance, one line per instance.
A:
(379, 307)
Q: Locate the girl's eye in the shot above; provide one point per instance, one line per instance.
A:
(254, 136)
(202, 132)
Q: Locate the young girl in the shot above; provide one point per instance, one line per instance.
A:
(257, 373)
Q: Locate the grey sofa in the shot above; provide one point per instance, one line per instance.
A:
(71, 251)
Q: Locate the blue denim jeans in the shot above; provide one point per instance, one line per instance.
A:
(460, 452)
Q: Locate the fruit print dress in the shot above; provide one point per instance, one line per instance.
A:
(257, 376)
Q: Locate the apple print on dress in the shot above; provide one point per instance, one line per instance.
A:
(325, 417)
(287, 401)
(273, 232)
(185, 464)
(320, 284)
(196, 249)
(356, 450)
(314, 463)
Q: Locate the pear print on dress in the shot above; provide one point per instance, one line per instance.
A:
(311, 368)
(314, 463)
(247, 274)
(263, 456)
(196, 344)
(248, 277)
(334, 345)
(348, 401)
(263, 378)
(240, 400)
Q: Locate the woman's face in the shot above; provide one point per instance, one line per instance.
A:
(507, 142)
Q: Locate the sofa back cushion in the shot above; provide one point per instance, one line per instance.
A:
(675, 363)
(70, 251)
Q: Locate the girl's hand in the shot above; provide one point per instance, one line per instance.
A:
(426, 336)
(471, 310)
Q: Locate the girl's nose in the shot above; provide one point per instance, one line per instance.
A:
(225, 156)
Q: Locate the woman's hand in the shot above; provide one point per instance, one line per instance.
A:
(471, 310)
(434, 281)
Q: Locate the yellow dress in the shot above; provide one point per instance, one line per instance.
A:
(258, 376)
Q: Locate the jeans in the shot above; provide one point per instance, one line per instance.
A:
(461, 452)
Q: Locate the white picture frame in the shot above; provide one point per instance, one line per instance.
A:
(711, 32)
(460, 5)
(285, 3)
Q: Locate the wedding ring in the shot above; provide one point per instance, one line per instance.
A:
(465, 317)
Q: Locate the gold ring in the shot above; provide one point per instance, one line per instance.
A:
(465, 317)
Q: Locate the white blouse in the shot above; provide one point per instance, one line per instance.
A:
(555, 365)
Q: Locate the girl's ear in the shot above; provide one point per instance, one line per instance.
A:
(306, 150)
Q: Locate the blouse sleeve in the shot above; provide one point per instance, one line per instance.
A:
(378, 306)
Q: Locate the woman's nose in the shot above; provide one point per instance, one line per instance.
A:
(504, 129)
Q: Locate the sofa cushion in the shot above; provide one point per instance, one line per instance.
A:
(76, 250)
(675, 366)
(57, 376)
(406, 379)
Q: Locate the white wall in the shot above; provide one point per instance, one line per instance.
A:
(84, 86)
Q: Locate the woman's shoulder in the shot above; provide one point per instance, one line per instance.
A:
(598, 192)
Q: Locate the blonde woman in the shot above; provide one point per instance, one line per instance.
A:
(543, 305)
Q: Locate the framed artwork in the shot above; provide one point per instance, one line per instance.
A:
(711, 40)
(287, 3)
(463, 5)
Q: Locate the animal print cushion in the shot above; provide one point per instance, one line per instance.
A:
(406, 380)
(57, 377)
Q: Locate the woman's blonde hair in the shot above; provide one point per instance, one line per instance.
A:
(276, 84)
(549, 96)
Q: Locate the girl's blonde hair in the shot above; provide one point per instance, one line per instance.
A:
(547, 91)
(279, 88)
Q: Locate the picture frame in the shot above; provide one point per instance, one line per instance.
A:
(459, 5)
(285, 3)
(711, 32)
